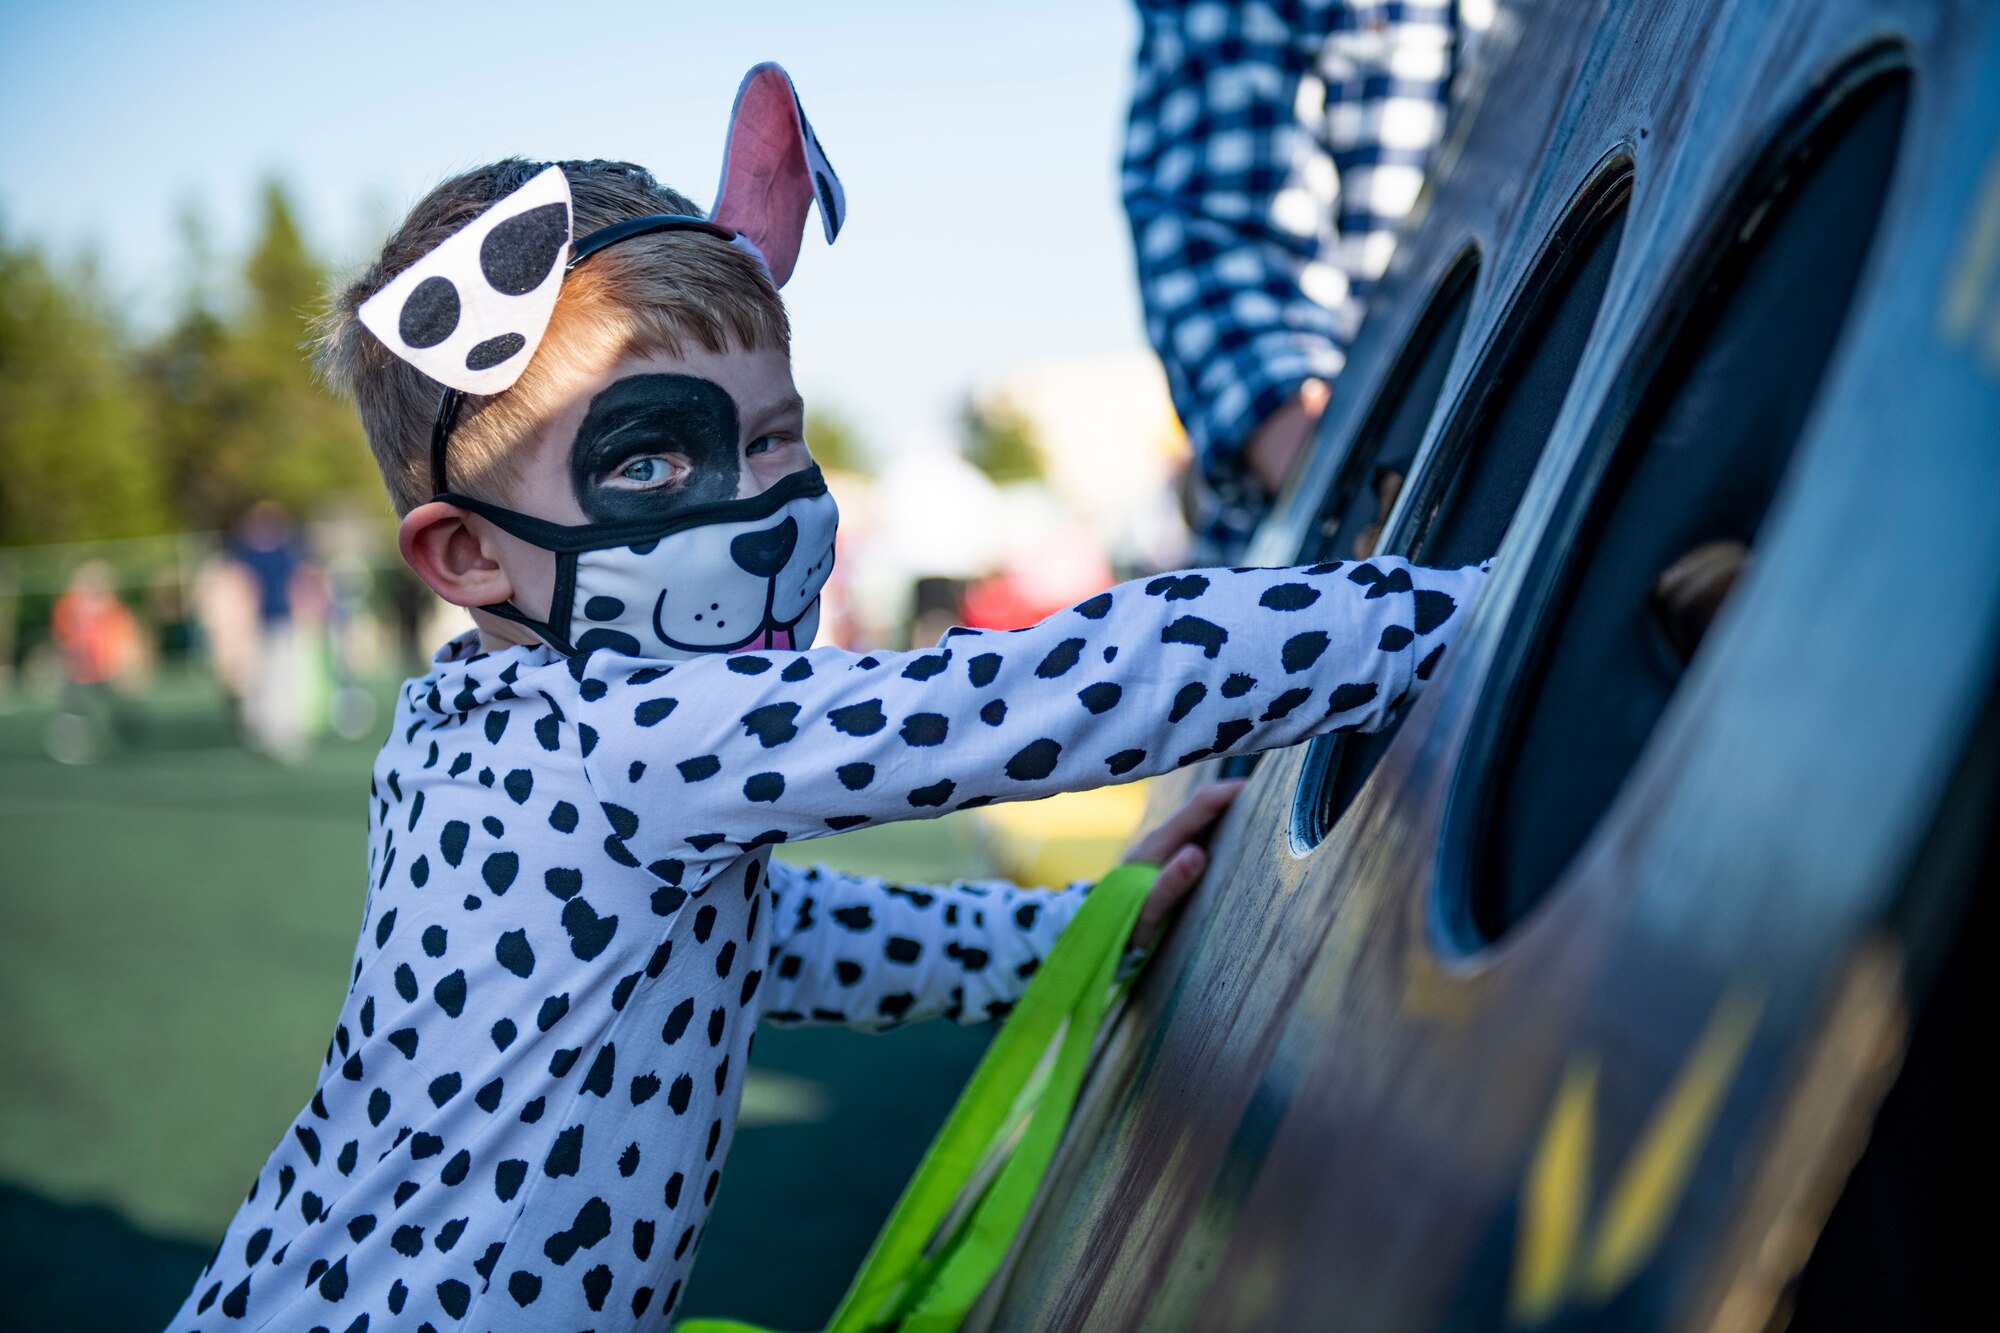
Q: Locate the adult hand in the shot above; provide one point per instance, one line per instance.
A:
(1281, 437)
(1388, 485)
(1175, 847)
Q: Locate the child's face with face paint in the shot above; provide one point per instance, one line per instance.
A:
(647, 438)
(658, 433)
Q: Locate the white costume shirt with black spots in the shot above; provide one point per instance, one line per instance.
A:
(572, 922)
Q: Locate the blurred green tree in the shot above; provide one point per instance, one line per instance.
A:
(236, 411)
(999, 440)
(79, 463)
(834, 443)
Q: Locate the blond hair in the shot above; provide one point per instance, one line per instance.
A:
(653, 293)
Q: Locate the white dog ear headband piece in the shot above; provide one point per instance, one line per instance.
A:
(471, 313)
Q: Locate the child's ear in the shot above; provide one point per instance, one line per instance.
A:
(451, 557)
(772, 171)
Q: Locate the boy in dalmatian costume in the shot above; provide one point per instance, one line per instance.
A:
(573, 922)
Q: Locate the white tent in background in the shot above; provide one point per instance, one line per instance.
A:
(937, 515)
(1105, 428)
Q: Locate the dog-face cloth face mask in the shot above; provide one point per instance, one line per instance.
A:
(701, 571)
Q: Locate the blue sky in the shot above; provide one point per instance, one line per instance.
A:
(978, 145)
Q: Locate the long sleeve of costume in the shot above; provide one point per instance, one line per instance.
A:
(713, 756)
(865, 953)
(1270, 155)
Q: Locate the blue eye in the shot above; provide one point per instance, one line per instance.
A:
(761, 446)
(644, 470)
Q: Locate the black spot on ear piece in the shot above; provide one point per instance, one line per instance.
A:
(493, 351)
(430, 314)
(516, 256)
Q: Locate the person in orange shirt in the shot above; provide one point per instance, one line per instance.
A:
(96, 637)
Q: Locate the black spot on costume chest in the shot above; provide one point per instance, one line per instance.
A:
(589, 933)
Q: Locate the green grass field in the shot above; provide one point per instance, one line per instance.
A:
(176, 920)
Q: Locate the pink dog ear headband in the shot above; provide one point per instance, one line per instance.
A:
(471, 313)
(772, 169)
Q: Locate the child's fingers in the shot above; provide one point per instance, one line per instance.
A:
(1176, 880)
(1188, 823)
(1178, 875)
(1200, 810)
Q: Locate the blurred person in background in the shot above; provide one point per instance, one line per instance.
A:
(225, 608)
(351, 709)
(1269, 158)
(98, 641)
(276, 701)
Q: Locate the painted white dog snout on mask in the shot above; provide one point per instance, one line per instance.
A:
(719, 587)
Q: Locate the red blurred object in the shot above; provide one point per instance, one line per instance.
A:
(1056, 574)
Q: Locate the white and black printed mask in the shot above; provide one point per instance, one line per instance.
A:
(716, 577)
(702, 570)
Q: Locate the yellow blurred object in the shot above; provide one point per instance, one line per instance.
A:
(1052, 842)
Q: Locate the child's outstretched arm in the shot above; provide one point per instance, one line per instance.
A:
(859, 951)
(721, 753)
(865, 953)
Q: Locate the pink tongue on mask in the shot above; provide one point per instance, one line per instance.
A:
(769, 639)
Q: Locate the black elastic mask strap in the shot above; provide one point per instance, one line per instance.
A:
(561, 603)
(447, 414)
(508, 611)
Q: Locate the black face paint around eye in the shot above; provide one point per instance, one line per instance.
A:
(644, 415)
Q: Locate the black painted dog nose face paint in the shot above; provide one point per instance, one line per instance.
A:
(647, 417)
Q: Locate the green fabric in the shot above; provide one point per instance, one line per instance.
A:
(1003, 1132)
